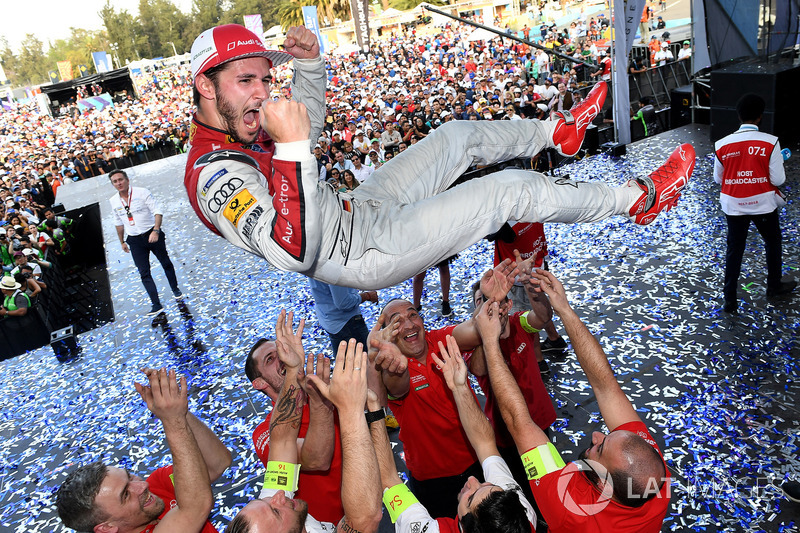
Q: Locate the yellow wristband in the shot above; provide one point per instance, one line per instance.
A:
(523, 320)
(541, 461)
(281, 476)
(397, 499)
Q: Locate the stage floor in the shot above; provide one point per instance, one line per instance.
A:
(720, 392)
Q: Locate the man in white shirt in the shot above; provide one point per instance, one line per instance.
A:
(361, 172)
(138, 218)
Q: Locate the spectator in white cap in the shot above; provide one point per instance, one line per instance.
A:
(361, 145)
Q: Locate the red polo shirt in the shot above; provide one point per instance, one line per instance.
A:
(161, 485)
(518, 353)
(322, 489)
(434, 442)
(570, 514)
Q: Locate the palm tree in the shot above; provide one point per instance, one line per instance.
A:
(291, 13)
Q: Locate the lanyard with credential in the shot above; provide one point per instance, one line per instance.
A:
(128, 207)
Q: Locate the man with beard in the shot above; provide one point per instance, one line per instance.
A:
(320, 454)
(251, 176)
(106, 499)
(276, 510)
(621, 482)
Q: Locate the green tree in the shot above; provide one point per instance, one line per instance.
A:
(122, 29)
(291, 13)
(32, 62)
(9, 61)
(77, 48)
(405, 5)
(161, 24)
(205, 14)
(239, 8)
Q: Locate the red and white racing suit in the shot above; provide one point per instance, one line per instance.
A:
(266, 197)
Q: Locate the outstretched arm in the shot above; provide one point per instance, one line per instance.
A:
(475, 424)
(216, 456)
(495, 284)
(614, 405)
(316, 452)
(284, 424)
(167, 399)
(361, 488)
(514, 410)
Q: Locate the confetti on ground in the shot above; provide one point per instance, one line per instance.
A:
(720, 392)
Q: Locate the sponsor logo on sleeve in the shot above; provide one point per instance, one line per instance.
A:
(211, 181)
(221, 195)
(238, 206)
(250, 222)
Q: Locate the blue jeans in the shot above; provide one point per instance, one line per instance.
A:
(355, 328)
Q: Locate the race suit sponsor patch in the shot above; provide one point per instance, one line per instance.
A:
(238, 206)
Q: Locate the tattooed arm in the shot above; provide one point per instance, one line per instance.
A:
(284, 424)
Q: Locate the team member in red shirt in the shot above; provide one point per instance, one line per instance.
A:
(519, 343)
(529, 239)
(276, 510)
(437, 451)
(320, 452)
(107, 499)
(749, 165)
(621, 483)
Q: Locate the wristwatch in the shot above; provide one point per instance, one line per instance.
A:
(373, 416)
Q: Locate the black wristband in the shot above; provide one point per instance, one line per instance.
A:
(373, 416)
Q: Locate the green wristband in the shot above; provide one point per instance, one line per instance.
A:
(281, 476)
(523, 320)
(397, 499)
(541, 461)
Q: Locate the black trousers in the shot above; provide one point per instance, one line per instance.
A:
(141, 247)
(768, 226)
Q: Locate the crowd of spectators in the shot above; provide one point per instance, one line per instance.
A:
(378, 104)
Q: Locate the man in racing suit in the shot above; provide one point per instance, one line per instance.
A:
(251, 176)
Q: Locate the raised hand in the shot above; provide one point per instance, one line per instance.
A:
(451, 363)
(487, 321)
(323, 371)
(285, 120)
(348, 387)
(496, 282)
(548, 284)
(288, 342)
(301, 42)
(525, 266)
(164, 396)
(383, 352)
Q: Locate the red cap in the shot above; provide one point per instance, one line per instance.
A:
(225, 43)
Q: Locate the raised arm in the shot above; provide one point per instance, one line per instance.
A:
(309, 80)
(361, 489)
(476, 425)
(215, 455)
(614, 405)
(514, 410)
(284, 425)
(385, 356)
(316, 452)
(167, 400)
